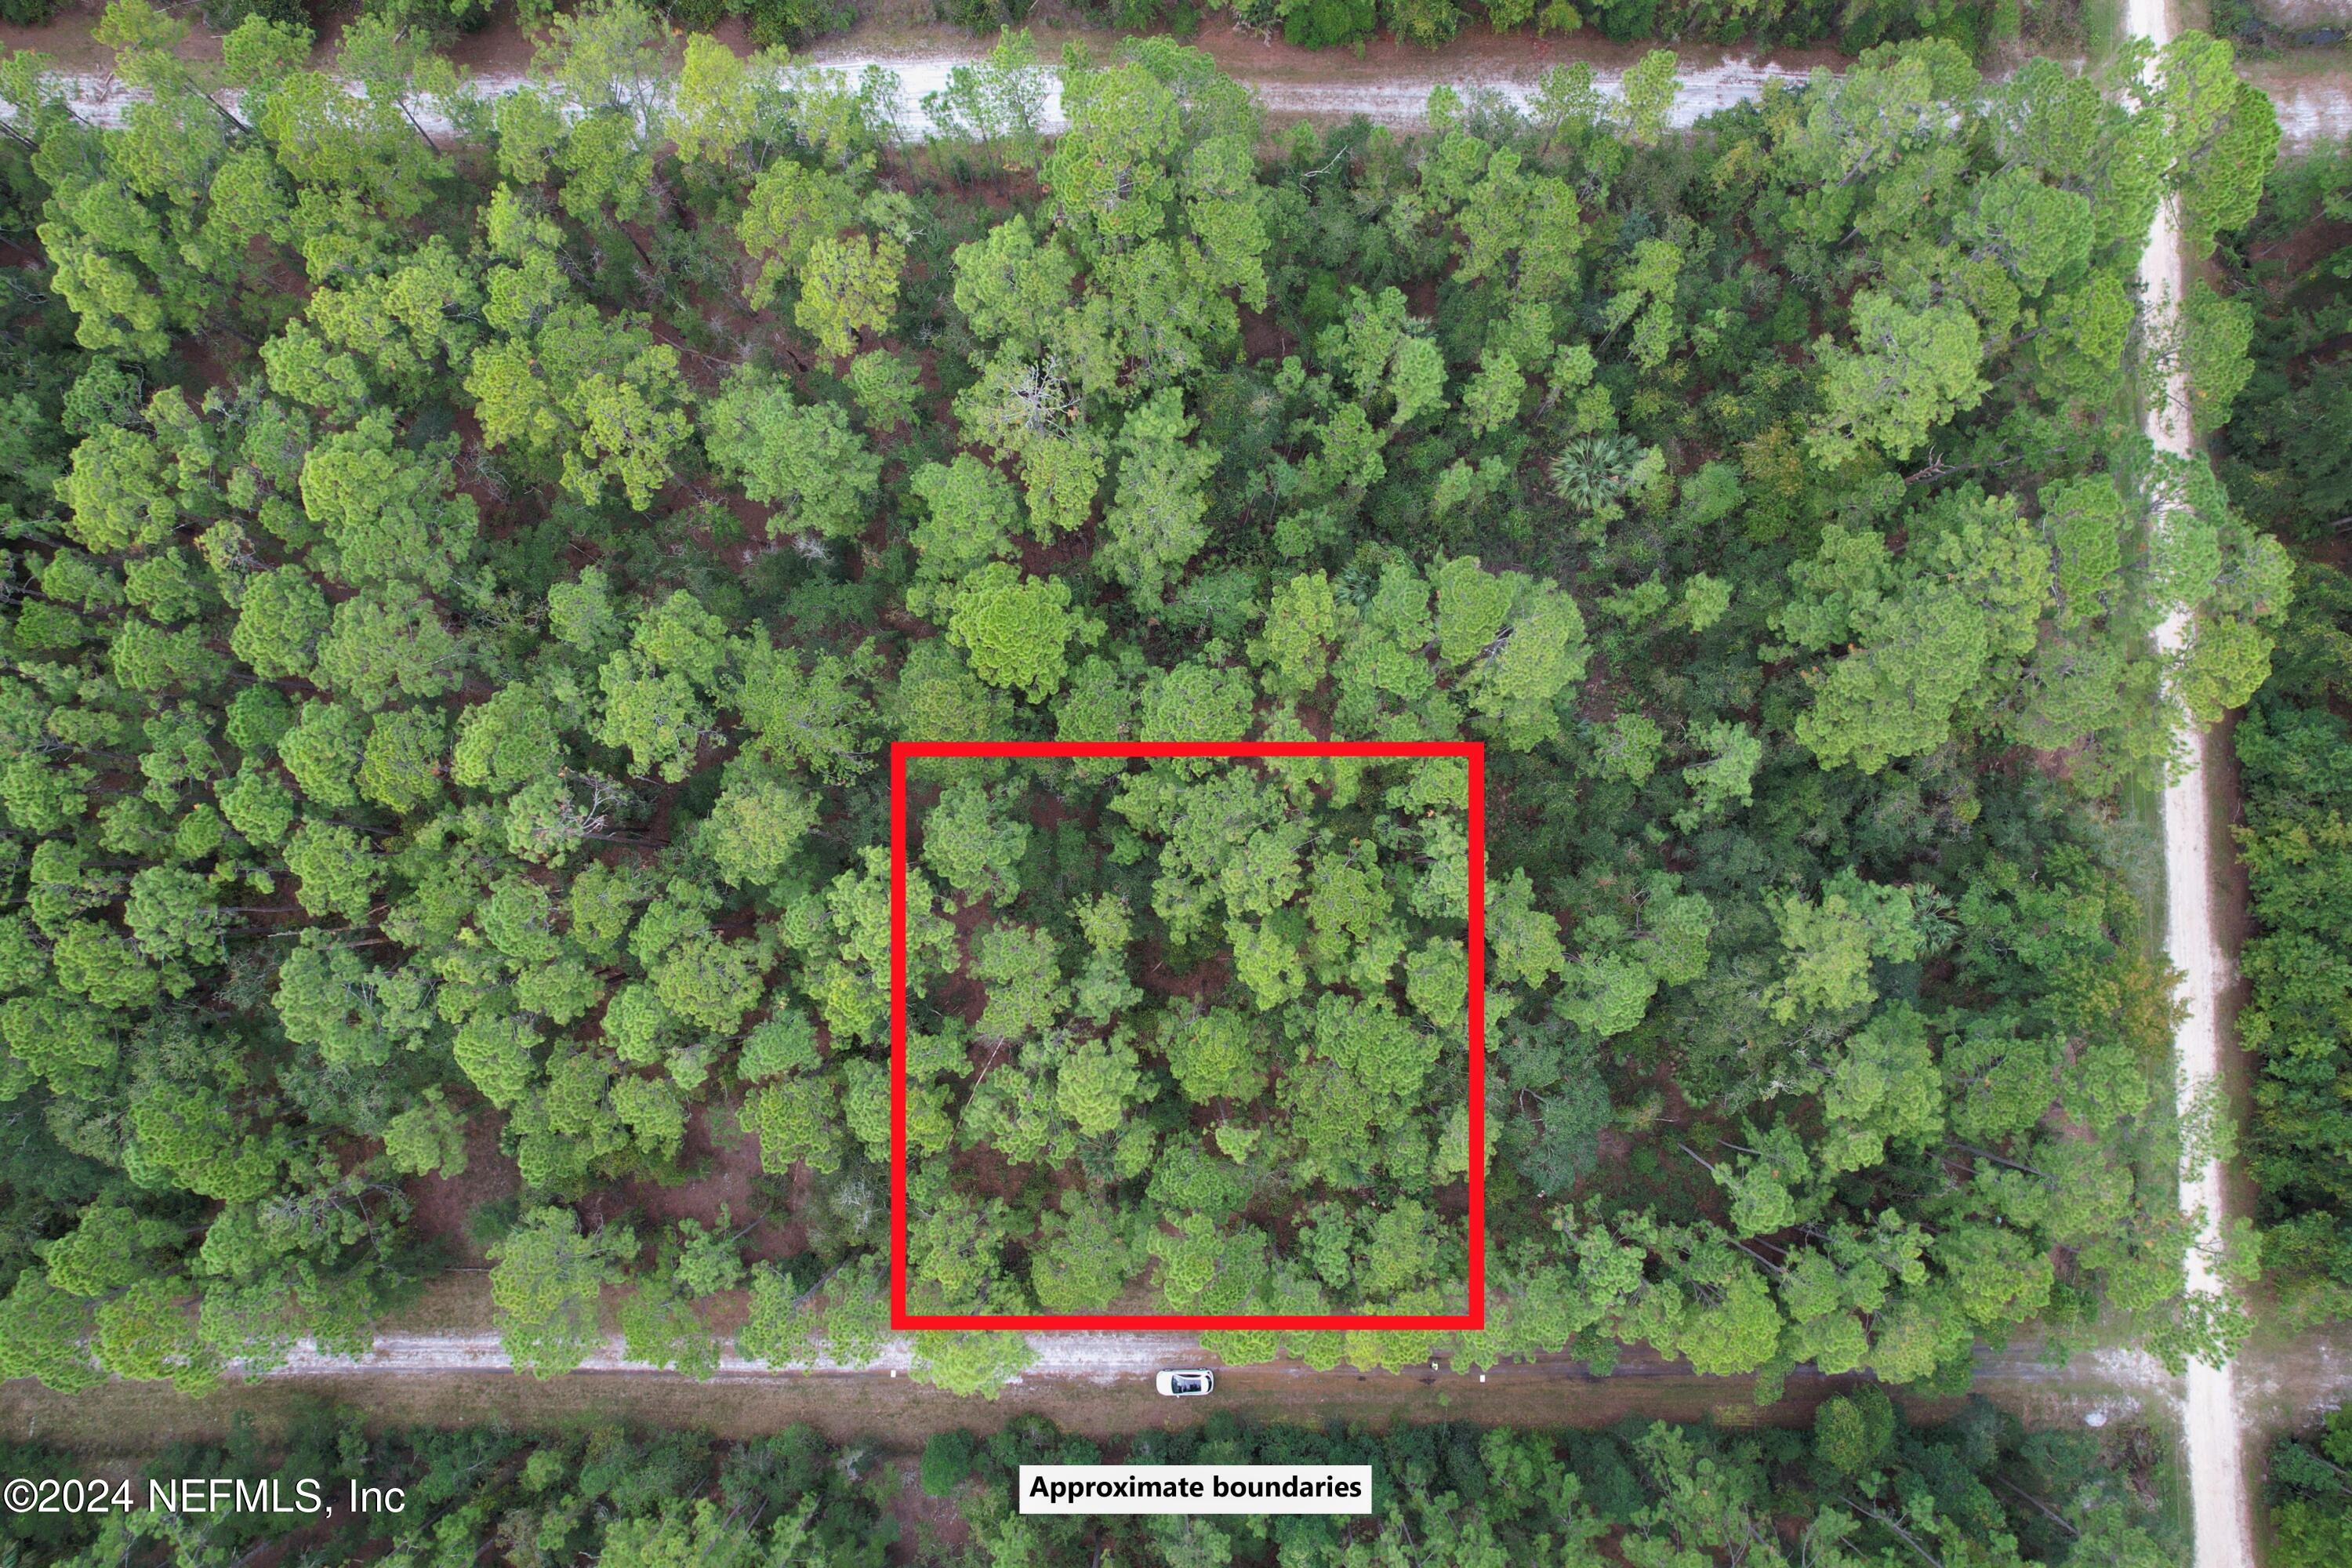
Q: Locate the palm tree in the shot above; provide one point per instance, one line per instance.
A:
(1593, 470)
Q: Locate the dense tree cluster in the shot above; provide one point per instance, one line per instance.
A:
(2310, 1493)
(1862, 1489)
(2286, 456)
(460, 587)
(1851, 25)
(1214, 1016)
(1848, 25)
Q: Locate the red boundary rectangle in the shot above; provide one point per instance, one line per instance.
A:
(1472, 752)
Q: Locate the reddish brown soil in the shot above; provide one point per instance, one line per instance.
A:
(961, 995)
(1204, 981)
(2233, 923)
(930, 1530)
(724, 1169)
(983, 1171)
(1263, 339)
(500, 49)
(1048, 811)
(2299, 252)
(1057, 555)
(754, 518)
(443, 1206)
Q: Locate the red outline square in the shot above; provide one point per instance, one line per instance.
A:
(1472, 752)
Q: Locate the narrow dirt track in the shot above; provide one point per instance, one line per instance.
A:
(2212, 1437)
(1399, 100)
(1096, 1384)
(2310, 110)
(1100, 1358)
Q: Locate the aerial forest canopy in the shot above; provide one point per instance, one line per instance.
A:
(1268, 1034)
(2289, 455)
(467, 557)
(1850, 25)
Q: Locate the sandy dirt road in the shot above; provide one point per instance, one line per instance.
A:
(1097, 1384)
(1085, 1356)
(2311, 107)
(1398, 101)
(1107, 1358)
(2212, 1436)
(1395, 97)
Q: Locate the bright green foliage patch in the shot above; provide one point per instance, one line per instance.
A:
(2288, 455)
(1196, 1001)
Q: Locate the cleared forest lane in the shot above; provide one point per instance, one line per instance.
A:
(1399, 101)
(1098, 1385)
(2310, 109)
(1398, 98)
(1070, 1355)
(2212, 1441)
(1083, 1355)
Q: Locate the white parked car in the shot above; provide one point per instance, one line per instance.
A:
(1184, 1384)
